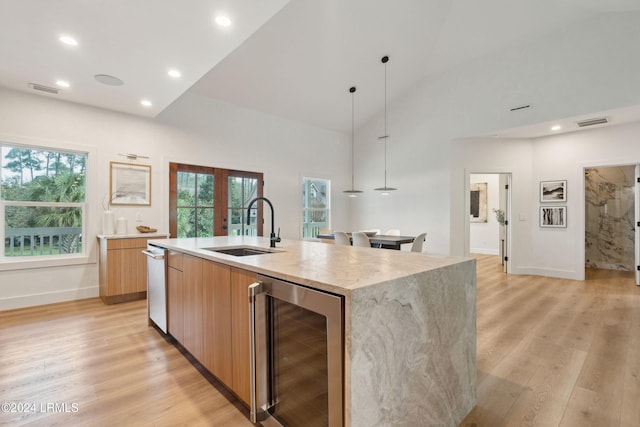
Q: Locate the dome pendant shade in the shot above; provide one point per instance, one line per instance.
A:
(352, 192)
(385, 190)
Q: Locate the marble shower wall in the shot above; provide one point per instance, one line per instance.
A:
(609, 216)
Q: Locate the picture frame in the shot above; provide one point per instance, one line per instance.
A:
(553, 191)
(130, 184)
(553, 216)
(478, 202)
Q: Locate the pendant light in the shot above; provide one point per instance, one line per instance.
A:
(385, 190)
(352, 192)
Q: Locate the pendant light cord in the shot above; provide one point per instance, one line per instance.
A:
(385, 123)
(352, 90)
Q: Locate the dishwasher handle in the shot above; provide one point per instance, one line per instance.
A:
(153, 255)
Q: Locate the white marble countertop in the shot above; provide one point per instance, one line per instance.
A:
(334, 268)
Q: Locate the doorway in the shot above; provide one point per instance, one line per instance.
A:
(488, 212)
(610, 217)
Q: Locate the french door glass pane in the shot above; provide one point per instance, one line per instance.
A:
(195, 204)
(186, 222)
(186, 189)
(241, 191)
(205, 190)
(205, 222)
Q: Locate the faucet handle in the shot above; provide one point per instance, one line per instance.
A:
(278, 238)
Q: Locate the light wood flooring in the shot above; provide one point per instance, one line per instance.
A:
(555, 352)
(551, 352)
(106, 360)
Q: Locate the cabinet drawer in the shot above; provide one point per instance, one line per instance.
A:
(138, 242)
(174, 260)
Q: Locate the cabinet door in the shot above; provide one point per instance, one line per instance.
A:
(176, 304)
(240, 281)
(217, 320)
(192, 288)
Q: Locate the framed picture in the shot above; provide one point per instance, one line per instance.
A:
(130, 184)
(553, 191)
(553, 216)
(478, 202)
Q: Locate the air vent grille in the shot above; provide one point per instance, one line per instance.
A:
(43, 88)
(591, 122)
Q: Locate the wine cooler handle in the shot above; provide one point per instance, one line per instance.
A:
(254, 289)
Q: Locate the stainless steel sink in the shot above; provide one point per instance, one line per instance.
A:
(240, 250)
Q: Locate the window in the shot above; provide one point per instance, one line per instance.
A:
(316, 201)
(206, 201)
(42, 201)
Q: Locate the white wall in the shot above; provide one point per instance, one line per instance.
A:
(484, 237)
(571, 72)
(194, 131)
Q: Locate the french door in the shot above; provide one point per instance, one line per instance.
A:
(206, 201)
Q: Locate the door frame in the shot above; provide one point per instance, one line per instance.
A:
(508, 253)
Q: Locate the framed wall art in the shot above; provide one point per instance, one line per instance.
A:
(130, 184)
(478, 202)
(553, 216)
(553, 191)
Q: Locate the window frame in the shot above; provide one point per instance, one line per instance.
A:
(88, 255)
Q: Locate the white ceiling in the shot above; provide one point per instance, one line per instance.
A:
(295, 59)
(137, 41)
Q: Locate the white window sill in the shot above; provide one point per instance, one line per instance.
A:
(24, 263)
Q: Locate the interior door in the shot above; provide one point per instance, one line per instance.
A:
(637, 229)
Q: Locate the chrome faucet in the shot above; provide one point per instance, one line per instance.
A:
(272, 236)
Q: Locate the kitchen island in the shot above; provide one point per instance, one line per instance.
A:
(409, 322)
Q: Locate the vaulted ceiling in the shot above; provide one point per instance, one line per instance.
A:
(295, 59)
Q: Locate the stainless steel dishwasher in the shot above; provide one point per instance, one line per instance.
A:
(157, 285)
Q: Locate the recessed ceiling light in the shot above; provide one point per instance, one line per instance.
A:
(556, 127)
(174, 73)
(223, 21)
(146, 103)
(68, 40)
(63, 83)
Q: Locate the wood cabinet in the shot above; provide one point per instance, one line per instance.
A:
(208, 309)
(175, 296)
(240, 329)
(122, 269)
(217, 321)
(192, 286)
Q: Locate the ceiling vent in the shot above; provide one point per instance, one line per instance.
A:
(43, 88)
(591, 122)
(520, 107)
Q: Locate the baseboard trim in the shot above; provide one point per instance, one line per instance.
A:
(22, 301)
(484, 251)
(549, 272)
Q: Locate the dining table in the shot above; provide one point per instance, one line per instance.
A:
(378, 240)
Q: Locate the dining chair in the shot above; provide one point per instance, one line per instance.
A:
(341, 238)
(393, 232)
(417, 243)
(361, 239)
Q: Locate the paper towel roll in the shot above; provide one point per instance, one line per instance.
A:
(121, 225)
(107, 222)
